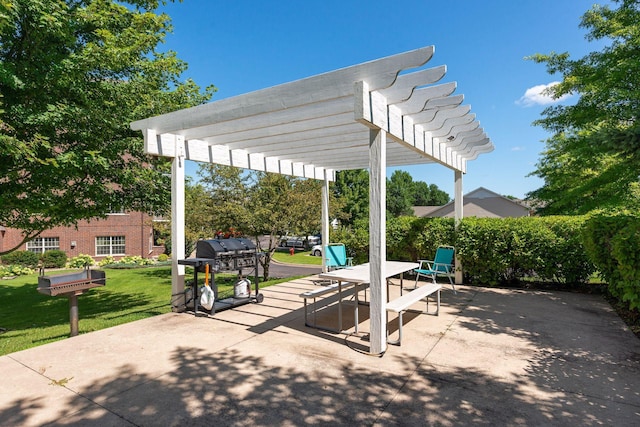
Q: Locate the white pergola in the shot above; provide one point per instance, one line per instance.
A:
(367, 116)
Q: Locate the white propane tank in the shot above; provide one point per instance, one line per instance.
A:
(242, 288)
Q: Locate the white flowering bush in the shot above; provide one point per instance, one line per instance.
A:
(81, 261)
(106, 261)
(126, 262)
(14, 270)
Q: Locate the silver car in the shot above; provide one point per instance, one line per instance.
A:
(299, 242)
(316, 250)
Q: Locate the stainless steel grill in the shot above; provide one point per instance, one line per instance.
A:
(233, 254)
(228, 254)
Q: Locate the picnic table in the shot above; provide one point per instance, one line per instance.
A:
(349, 281)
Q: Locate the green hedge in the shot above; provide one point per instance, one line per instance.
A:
(613, 243)
(567, 250)
(53, 259)
(569, 261)
(355, 238)
(492, 250)
(23, 258)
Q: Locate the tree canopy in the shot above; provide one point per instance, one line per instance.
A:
(73, 75)
(253, 204)
(352, 191)
(593, 157)
(399, 194)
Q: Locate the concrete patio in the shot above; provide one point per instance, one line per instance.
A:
(492, 357)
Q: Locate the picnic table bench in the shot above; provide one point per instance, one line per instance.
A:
(403, 302)
(342, 289)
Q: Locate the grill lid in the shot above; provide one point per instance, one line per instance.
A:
(228, 247)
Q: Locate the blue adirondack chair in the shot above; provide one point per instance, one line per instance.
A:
(441, 265)
(335, 255)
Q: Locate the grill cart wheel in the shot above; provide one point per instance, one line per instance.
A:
(259, 298)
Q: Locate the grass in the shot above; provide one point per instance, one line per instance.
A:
(298, 258)
(29, 319)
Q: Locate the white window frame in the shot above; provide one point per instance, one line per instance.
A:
(111, 243)
(40, 245)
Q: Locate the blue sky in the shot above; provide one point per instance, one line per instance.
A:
(243, 45)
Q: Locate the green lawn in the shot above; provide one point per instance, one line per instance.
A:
(297, 258)
(29, 319)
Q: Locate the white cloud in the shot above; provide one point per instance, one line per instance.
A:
(536, 95)
(518, 148)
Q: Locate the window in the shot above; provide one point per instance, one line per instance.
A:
(116, 210)
(42, 244)
(110, 245)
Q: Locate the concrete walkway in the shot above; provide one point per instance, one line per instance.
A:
(493, 357)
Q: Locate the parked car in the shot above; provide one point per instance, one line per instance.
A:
(299, 242)
(316, 250)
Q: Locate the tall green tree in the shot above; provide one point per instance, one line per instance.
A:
(424, 194)
(351, 189)
(278, 205)
(73, 75)
(592, 159)
(255, 204)
(197, 218)
(400, 194)
(228, 190)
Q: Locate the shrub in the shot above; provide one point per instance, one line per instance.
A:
(126, 262)
(135, 260)
(15, 270)
(81, 261)
(23, 258)
(411, 238)
(399, 232)
(566, 260)
(163, 257)
(53, 259)
(482, 244)
(428, 234)
(494, 250)
(356, 240)
(106, 261)
(612, 242)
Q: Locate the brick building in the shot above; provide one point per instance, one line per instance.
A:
(120, 234)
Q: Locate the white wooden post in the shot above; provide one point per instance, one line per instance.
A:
(377, 239)
(325, 218)
(177, 225)
(458, 215)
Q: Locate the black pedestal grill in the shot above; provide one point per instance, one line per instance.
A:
(233, 254)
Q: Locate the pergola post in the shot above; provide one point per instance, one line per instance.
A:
(458, 215)
(177, 225)
(377, 240)
(325, 217)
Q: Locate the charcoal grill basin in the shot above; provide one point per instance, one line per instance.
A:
(62, 284)
(71, 285)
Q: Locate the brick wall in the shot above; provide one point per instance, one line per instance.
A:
(137, 228)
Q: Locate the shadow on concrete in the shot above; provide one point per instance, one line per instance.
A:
(576, 370)
(219, 389)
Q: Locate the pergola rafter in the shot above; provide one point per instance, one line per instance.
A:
(313, 121)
